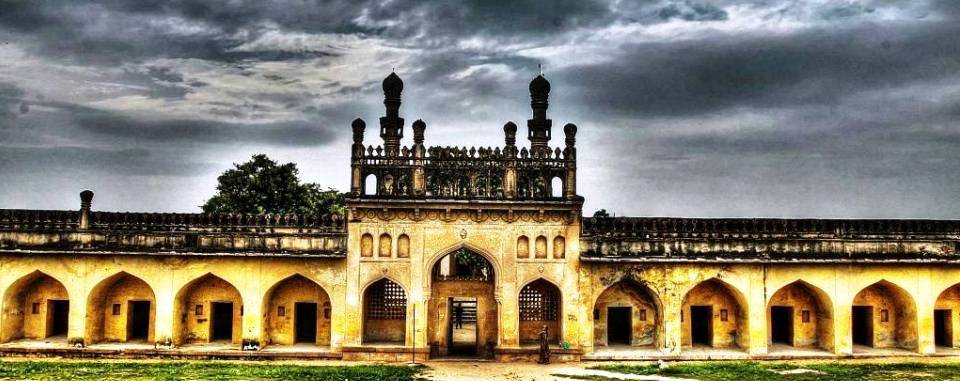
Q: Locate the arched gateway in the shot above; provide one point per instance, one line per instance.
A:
(463, 307)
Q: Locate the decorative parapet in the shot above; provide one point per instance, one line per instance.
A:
(625, 238)
(183, 233)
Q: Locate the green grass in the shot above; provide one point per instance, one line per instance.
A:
(746, 371)
(208, 370)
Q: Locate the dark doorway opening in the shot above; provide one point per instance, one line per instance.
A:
(781, 325)
(701, 325)
(619, 325)
(138, 320)
(305, 322)
(862, 321)
(58, 317)
(221, 324)
(943, 328)
(462, 338)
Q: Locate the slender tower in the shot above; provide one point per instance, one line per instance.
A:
(391, 125)
(539, 127)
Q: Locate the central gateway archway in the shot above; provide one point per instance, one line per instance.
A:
(463, 308)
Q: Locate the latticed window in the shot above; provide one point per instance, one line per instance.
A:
(539, 301)
(385, 300)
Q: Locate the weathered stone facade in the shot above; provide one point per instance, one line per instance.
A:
(452, 251)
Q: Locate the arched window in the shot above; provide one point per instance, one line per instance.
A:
(403, 246)
(366, 245)
(384, 313)
(539, 306)
(370, 185)
(523, 247)
(541, 247)
(559, 247)
(386, 245)
(556, 187)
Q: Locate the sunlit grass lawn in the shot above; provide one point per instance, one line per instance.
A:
(209, 370)
(747, 371)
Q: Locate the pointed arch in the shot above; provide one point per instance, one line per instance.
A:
(714, 314)
(121, 308)
(946, 316)
(491, 259)
(384, 312)
(36, 306)
(540, 305)
(298, 310)
(208, 309)
(463, 300)
(884, 316)
(628, 312)
(800, 314)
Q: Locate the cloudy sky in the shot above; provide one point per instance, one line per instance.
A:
(791, 108)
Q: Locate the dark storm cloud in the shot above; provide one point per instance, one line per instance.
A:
(815, 67)
(55, 161)
(114, 125)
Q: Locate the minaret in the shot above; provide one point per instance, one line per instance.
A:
(391, 125)
(539, 127)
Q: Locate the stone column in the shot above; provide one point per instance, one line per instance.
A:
(757, 313)
(926, 299)
(165, 313)
(86, 200)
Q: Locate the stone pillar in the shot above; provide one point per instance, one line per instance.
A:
(353, 309)
(757, 314)
(570, 157)
(842, 311)
(86, 200)
(926, 299)
(419, 153)
(77, 317)
(356, 156)
(164, 315)
(510, 164)
(252, 319)
(672, 323)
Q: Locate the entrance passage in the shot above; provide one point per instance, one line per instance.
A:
(781, 324)
(305, 320)
(58, 317)
(619, 325)
(862, 321)
(221, 326)
(701, 325)
(463, 327)
(138, 320)
(943, 330)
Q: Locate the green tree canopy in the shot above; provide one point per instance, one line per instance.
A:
(601, 213)
(262, 186)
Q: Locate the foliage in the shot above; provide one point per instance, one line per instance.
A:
(262, 186)
(206, 370)
(833, 370)
(472, 264)
(601, 213)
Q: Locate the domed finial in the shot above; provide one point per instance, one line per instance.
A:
(539, 87)
(392, 85)
(510, 133)
(358, 126)
(86, 199)
(418, 128)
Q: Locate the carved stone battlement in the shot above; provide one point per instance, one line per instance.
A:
(767, 238)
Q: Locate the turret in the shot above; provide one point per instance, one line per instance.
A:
(391, 125)
(539, 126)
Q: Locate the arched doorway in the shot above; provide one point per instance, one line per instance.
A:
(208, 310)
(35, 307)
(121, 308)
(384, 313)
(946, 318)
(800, 315)
(298, 312)
(713, 316)
(884, 316)
(627, 314)
(462, 306)
(540, 306)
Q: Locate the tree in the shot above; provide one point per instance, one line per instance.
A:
(601, 213)
(262, 186)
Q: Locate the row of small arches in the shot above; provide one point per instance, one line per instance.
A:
(385, 246)
(540, 248)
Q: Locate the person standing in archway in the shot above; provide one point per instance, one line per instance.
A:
(544, 347)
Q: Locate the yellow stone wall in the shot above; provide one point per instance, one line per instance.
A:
(910, 292)
(644, 332)
(296, 289)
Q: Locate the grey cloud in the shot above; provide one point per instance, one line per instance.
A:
(53, 161)
(815, 67)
